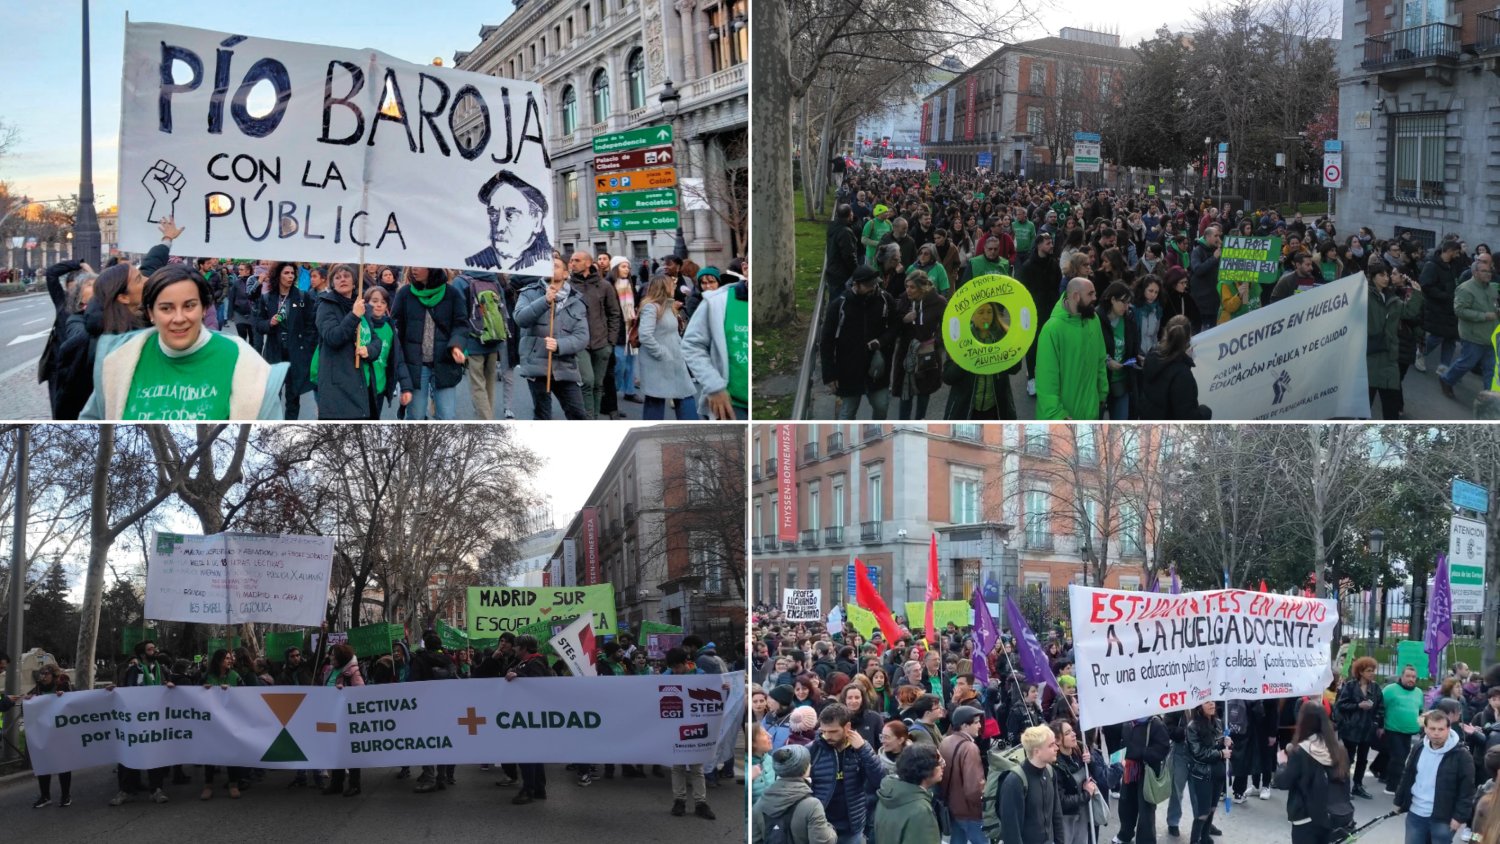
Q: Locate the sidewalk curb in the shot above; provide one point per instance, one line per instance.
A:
(16, 777)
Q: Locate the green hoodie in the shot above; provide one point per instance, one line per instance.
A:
(904, 811)
(1071, 378)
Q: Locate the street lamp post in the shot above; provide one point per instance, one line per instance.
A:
(86, 222)
(1376, 628)
(670, 100)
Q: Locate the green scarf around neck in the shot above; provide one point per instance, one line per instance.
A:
(430, 296)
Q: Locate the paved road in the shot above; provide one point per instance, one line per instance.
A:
(26, 321)
(1424, 398)
(1258, 820)
(475, 810)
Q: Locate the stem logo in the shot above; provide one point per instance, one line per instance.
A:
(284, 748)
(671, 701)
(705, 702)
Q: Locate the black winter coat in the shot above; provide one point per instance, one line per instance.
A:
(851, 324)
(1132, 343)
(450, 330)
(1149, 742)
(1357, 725)
(1439, 282)
(342, 391)
(293, 339)
(242, 299)
(1168, 389)
(929, 319)
(843, 252)
(1203, 283)
(1042, 278)
(1309, 791)
(1453, 796)
(1205, 746)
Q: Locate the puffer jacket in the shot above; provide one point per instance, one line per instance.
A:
(857, 772)
(1357, 725)
(569, 324)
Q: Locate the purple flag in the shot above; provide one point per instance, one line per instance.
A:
(1439, 617)
(1176, 586)
(985, 636)
(1033, 661)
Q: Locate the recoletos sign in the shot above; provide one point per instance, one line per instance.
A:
(307, 152)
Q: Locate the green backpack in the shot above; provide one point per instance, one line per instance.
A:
(1003, 761)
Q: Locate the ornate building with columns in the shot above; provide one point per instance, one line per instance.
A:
(604, 65)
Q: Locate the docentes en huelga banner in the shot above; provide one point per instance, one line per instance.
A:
(304, 152)
(664, 720)
(1141, 653)
(1300, 358)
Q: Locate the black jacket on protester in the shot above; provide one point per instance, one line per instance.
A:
(1030, 812)
(342, 392)
(534, 665)
(1356, 725)
(1205, 746)
(1453, 794)
(1168, 389)
(850, 325)
(450, 330)
(432, 665)
(67, 363)
(1042, 278)
(1439, 283)
(844, 251)
(292, 340)
(1203, 281)
(1310, 793)
(1148, 742)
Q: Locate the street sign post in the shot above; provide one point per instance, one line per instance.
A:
(634, 139)
(634, 159)
(1470, 496)
(1086, 152)
(661, 177)
(1466, 557)
(639, 200)
(1333, 170)
(638, 221)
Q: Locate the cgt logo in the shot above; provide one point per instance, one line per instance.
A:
(705, 702)
(1276, 688)
(690, 732)
(671, 701)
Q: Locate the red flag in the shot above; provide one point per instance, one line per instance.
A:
(934, 592)
(866, 596)
(1263, 585)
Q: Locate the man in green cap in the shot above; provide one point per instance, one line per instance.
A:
(877, 227)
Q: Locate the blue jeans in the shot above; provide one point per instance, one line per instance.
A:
(1420, 830)
(1444, 346)
(444, 400)
(1119, 408)
(1475, 356)
(851, 837)
(687, 409)
(624, 371)
(880, 404)
(1179, 762)
(968, 832)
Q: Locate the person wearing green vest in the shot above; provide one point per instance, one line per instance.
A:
(989, 263)
(1071, 379)
(1403, 703)
(179, 370)
(716, 349)
(221, 673)
(386, 373)
(1025, 233)
(876, 228)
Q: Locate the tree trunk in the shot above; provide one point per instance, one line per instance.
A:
(1492, 574)
(772, 232)
(99, 543)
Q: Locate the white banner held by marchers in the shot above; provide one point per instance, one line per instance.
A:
(231, 578)
(1141, 653)
(575, 644)
(305, 152)
(1300, 358)
(664, 720)
(802, 604)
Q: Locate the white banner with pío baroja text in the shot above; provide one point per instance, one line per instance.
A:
(304, 152)
(1141, 653)
(1300, 358)
(666, 720)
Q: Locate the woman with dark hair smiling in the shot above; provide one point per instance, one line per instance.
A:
(178, 370)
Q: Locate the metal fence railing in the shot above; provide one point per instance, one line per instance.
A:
(1412, 45)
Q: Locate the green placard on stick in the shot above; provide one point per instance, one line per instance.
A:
(375, 639)
(648, 627)
(277, 643)
(1250, 259)
(452, 637)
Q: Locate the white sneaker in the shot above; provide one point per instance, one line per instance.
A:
(120, 799)
(1239, 798)
(1031, 387)
(158, 796)
(1441, 370)
(1419, 364)
(1265, 793)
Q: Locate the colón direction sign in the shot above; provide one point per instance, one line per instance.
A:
(641, 200)
(651, 157)
(639, 221)
(661, 177)
(633, 139)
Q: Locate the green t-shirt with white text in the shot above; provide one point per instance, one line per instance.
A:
(192, 387)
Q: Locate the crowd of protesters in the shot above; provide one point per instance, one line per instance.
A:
(1121, 282)
(338, 666)
(862, 740)
(206, 338)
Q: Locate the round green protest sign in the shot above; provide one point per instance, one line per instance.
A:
(989, 324)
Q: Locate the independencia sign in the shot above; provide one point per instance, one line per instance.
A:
(1140, 653)
(657, 719)
(316, 153)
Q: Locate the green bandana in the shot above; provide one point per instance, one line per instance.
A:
(431, 296)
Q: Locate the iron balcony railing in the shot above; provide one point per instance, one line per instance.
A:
(1487, 31)
(1414, 45)
(869, 531)
(833, 535)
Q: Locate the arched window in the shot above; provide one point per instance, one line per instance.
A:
(601, 96)
(569, 110)
(635, 77)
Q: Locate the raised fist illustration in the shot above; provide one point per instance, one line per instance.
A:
(1280, 385)
(164, 183)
